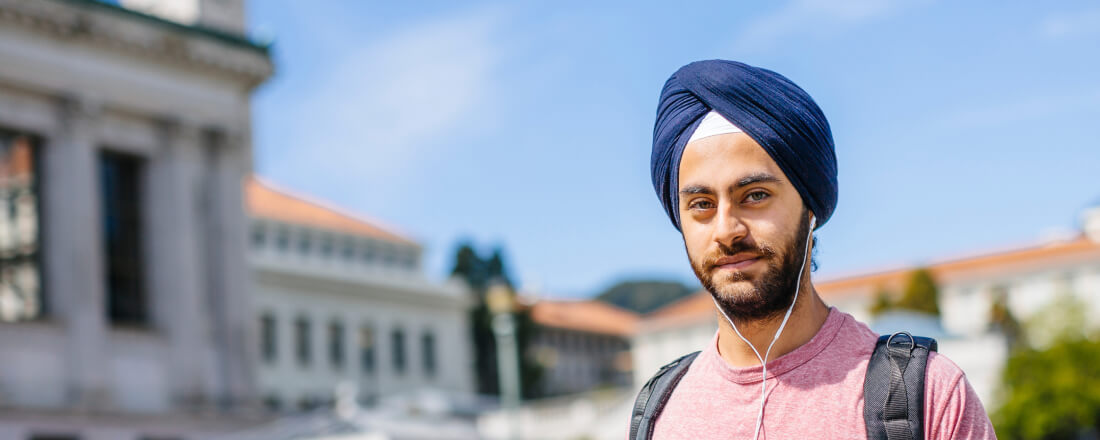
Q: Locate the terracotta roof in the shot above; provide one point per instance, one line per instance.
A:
(585, 316)
(690, 309)
(266, 201)
(699, 306)
(992, 264)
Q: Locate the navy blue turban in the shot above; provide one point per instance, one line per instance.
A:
(767, 106)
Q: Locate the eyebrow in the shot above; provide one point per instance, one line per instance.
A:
(696, 189)
(756, 178)
(743, 182)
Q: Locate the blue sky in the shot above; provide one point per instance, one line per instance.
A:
(960, 126)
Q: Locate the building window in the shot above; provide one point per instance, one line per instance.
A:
(273, 403)
(326, 246)
(368, 252)
(336, 344)
(269, 338)
(259, 237)
(21, 295)
(282, 239)
(308, 403)
(120, 196)
(389, 255)
(397, 342)
(303, 243)
(427, 345)
(349, 250)
(366, 349)
(301, 340)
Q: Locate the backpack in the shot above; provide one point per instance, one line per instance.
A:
(893, 390)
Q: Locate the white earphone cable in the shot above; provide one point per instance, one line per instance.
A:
(779, 331)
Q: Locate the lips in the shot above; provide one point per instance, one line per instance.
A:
(737, 261)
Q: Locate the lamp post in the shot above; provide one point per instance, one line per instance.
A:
(502, 303)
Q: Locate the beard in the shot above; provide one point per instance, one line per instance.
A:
(770, 292)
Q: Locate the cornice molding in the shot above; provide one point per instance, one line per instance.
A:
(394, 290)
(131, 34)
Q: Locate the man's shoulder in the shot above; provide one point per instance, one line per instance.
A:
(952, 409)
(856, 334)
(941, 372)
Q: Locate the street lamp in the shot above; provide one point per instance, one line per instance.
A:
(502, 304)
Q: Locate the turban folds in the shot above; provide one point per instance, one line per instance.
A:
(767, 106)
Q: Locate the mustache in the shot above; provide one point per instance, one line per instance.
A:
(764, 252)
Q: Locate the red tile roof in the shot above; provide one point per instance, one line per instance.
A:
(984, 265)
(264, 200)
(691, 309)
(585, 316)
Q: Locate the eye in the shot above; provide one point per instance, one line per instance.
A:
(700, 204)
(756, 196)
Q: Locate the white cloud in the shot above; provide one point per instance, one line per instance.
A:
(1070, 24)
(804, 16)
(394, 101)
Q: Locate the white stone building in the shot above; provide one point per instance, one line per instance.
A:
(582, 345)
(586, 387)
(340, 299)
(1026, 279)
(124, 139)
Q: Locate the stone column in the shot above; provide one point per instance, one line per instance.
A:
(228, 269)
(176, 270)
(74, 252)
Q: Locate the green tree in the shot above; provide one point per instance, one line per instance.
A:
(1052, 393)
(921, 293)
(468, 267)
(883, 301)
(479, 272)
(644, 296)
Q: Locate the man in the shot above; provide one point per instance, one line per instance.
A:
(743, 162)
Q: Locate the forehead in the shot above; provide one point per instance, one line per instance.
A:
(718, 160)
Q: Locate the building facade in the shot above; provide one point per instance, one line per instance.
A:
(582, 345)
(586, 390)
(342, 300)
(124, 139)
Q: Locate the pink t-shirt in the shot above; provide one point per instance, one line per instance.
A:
(815, 391)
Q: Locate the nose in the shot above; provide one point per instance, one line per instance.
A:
(730, 228)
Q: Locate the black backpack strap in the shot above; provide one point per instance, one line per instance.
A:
(654, 394)
(893, 390)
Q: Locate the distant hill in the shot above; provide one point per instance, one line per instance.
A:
(644, 296)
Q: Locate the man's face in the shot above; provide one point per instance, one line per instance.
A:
(744, 224)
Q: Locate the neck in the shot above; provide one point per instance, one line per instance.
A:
(807, 317)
